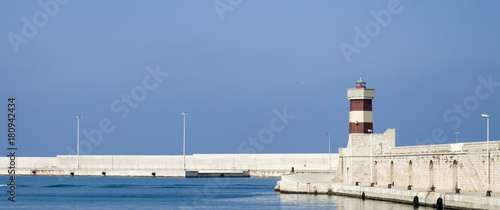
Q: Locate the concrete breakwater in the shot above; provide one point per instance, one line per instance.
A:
(205, 165)
(156, 173)
(131, 173)
(323, 184)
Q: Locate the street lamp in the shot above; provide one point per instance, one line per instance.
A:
(456, 133)
(184, 142)
(329, 154)
(487, 146)
(371, 156)
(78, 117)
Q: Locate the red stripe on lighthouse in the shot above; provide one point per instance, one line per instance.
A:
(361, 127)
(361, 105)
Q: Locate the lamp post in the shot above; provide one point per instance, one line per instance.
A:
(487, 146)
(456, 133)
(371, 156)
(184, 142)
(78, 117)
(329, 154)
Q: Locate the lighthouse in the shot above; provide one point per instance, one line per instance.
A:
(360, 115)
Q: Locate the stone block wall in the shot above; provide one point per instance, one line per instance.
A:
(354, 161)
(445, 166)
(467, 171)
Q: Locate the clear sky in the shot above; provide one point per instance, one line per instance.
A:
(265, 76)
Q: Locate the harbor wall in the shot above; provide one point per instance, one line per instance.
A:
(262, 165)
(445, 166)
(445, 199)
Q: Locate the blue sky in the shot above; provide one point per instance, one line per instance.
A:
(131, 67)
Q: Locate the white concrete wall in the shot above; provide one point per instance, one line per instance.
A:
(30, 162)
(237, 162)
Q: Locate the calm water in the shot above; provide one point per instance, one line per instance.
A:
(168, 193)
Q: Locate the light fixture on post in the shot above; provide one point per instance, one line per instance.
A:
(456, 133)
(488, 192)
(78, 117)
(329, 154)
(184, 142)
(371, 157)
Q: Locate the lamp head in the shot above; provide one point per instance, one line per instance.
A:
(184, 113)
(370, 131)
(329, 133)
(78, 116)
(485, 116)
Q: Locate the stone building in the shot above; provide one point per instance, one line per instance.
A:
(374, 158)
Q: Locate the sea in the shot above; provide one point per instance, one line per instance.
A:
(49, 192)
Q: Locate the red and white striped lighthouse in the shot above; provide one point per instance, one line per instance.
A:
(360, 116)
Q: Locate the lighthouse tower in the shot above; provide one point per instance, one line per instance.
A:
(360, 116)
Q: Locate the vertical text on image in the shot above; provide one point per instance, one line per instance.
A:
(12, 148)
